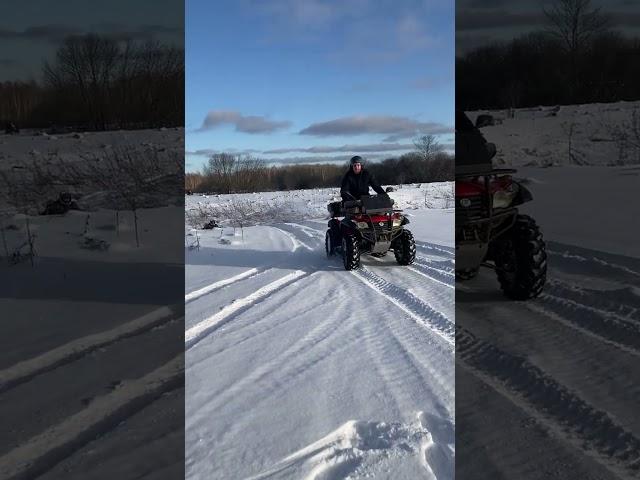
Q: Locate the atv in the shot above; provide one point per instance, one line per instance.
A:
(369, 226)
(490, 231)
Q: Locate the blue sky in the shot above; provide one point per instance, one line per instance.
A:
(313, 80)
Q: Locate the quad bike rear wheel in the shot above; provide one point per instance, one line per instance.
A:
(521, 260)
(350, 252)
(405, 248)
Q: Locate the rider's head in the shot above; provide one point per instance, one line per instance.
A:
(356, 164)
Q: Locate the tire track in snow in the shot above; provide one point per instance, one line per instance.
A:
(551, 403)
(71, 351)
(417, 269)
(438, 275)
(319, 343)
(215, 321)
(421, 312)
(598, 264)
(623, 302)
(264, 324)
(417, 283)
(222, 283)
(42, 452)
(447, 266)
(400, 365)
(294, 240)
(310, 338)
(426, 275)
(603, 375)
(596, 324)
(447, 252)
(308, 231)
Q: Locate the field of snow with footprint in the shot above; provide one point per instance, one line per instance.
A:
(296, 368)
(558, 375)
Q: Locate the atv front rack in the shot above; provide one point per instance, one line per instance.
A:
(492, 219)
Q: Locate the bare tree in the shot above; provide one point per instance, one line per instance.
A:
(427, 146)
(221, 166)
(575, 23)
(87, 65)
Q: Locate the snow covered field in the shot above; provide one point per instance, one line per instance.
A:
(298, 369)
(605, 134)
(78, 397)
(550, 388)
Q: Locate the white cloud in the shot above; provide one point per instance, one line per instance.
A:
(395, 127)
(242, 123)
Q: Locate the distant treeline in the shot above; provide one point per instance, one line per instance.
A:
(99, 83)
(578, 59)
(228, 173)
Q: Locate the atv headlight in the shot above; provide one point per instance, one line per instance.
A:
(502, 199)
(362, 225)
(397, 222)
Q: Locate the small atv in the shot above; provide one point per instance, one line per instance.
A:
(489, 229)
(370, 225)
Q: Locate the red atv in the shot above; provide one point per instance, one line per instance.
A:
(489, 229)
(370, 225)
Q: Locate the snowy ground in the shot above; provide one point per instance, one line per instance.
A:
(91, 365)
(592, 134)
(299, 369)
(550, 388)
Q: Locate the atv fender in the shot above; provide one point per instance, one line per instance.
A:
(523, 195)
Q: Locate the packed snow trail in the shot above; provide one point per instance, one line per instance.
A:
(318, 372)
(564, 365)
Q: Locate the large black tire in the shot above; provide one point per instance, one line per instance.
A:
(405, 248)
(329, 245)
(468, 274)
(350, 252)
(521, 260)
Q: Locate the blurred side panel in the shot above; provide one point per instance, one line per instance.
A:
(91, 247)
(547, 258)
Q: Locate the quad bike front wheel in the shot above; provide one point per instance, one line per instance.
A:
(405, 248)
(329, 245)
(467, 274)
(521, 260)
(350, 252)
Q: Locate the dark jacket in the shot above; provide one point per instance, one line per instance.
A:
(358, 185)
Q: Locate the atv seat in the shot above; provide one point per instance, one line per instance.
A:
(367, 204)
(376, 204)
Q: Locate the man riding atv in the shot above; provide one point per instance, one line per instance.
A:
(370, 225)
(357, 180)
(490, 230)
